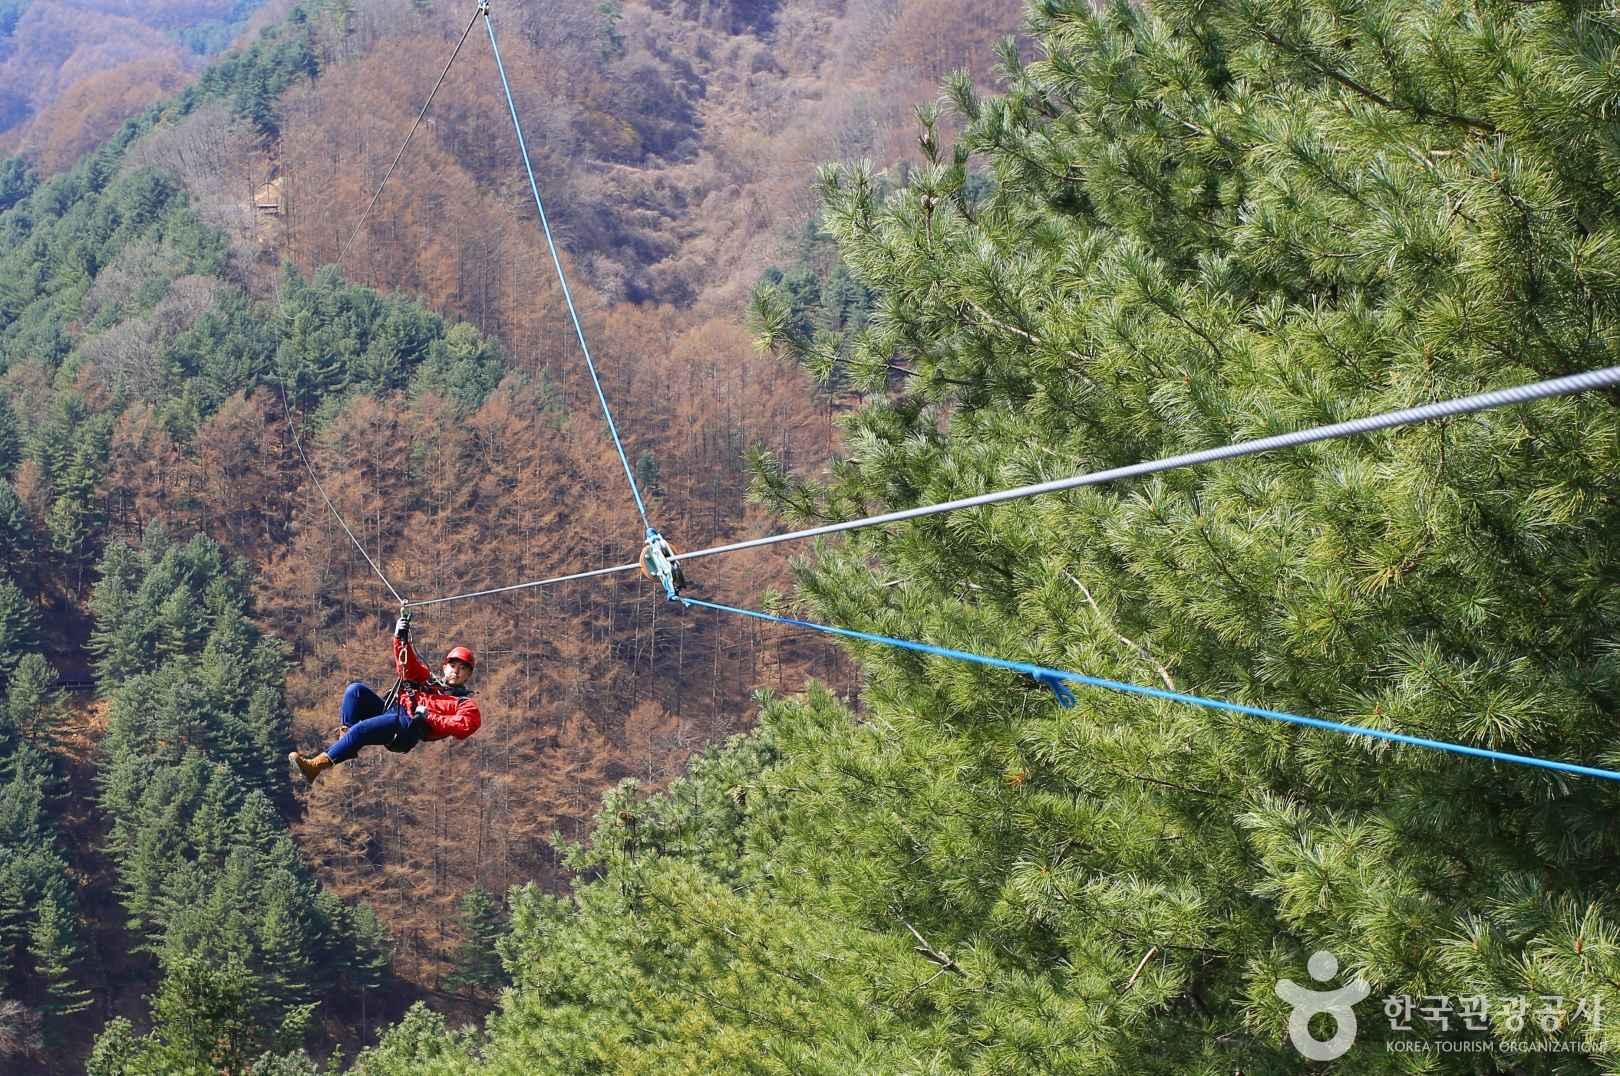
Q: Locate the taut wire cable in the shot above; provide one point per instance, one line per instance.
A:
(1561, 386)
(1517, 394)
(286, 407)
(344, 250)
(1047, 676)
(556, 260)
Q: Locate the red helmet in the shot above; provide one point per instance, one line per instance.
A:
(461, 653)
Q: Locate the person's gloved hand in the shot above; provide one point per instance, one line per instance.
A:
(420, 712)
(402, 629)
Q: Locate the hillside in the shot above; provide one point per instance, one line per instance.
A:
(72, 71)
(1331, 726)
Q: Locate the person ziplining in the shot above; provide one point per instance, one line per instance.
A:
(421, 707)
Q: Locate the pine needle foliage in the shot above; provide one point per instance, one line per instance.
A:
(247, 945)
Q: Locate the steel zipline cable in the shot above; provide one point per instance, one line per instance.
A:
(1608, 377)
(286, 407)
(562, 278)
(344, 250)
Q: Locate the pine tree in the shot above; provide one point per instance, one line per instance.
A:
(1202, 223)
(421, 1042)
(203, 1018)
(10, 441)
(17, 177)
(476, 962)
(34, 705)
(286, 934)
(19, 627)
(53, 944)
(610, 42)
(17, 541)
(116, 1050)
(118, 639)
(367, 967)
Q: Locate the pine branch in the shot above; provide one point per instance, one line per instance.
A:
(1164, 307)
(1162, 783)
(1031, 337)
(1326, 69)
(1061, 177)
(1142, 964)
(907, 995)
(1141, 650)
(929, 952)
(906, 371)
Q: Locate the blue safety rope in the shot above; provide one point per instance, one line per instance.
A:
(1054, 678)
(523, 151)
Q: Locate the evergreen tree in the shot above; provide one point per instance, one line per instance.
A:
(207, 872)
(462, 365)
(1205, 222)
(10, 440)
(610, 42)
(227, 350)
(76, 516)
(420, 1043)
(117, 1050)
(648, 475)
(476, 963)
(33, 704)
(54, 945)
(17, 177)
(203, 1018)
(339, 339)
(118, 638)
(367, 967)
(17, 543)
(19, 628)
(845, 303)
(286, 932)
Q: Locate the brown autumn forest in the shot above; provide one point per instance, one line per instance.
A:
(72, 70)
(675, 171)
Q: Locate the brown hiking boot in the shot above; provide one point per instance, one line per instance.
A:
(310, 767)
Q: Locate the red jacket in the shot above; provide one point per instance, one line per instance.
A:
(448, 713)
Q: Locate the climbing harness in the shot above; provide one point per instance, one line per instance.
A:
(659, 562)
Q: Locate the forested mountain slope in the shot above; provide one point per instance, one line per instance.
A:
(71, 71)
(165, 548)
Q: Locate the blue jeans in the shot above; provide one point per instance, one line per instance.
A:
(368, 722)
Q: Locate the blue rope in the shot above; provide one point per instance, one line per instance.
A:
(1053, 678)
(523, 151)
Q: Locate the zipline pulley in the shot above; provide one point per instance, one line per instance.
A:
(658, 563)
